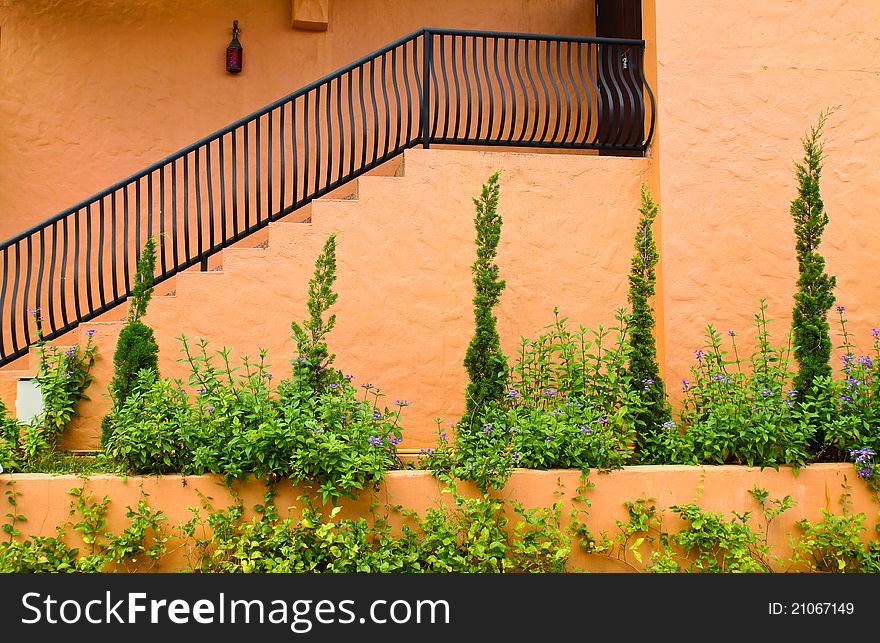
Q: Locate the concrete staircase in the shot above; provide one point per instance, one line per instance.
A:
(405, 244)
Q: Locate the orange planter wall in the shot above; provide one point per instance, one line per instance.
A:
(44, 499)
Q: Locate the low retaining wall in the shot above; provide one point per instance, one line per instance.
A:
(45, 502)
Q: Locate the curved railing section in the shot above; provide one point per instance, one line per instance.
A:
(431, 87)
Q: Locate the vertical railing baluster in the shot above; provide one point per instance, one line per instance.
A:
(595, 85)
(317, 138)
(387, 130)
(5, 278)
(555, 80)
(467, 84)
(457, 101)
(512, 91)
(409, 102)
(150, 205)
(76, 306)
(234, 186)
(258, 154)
(375, 105)
(294, 149)
(223, 210)
(26, 327)
(246, 179)
(341, 158)
(397, 113)
(174, 254)
(351, 126)
(269, 136)
(101, 294)
(125, 237)
(282, 157)
(13, 303)
(88, 266)
(162, 209)
(307, 152)
(209, 185)
(489, 92)
(62, 290)
(535, 87)
(137, 220)
(329, 178)
(38, 304)
(186, 242)
(114, 240)
(197, 173)
(577, 97)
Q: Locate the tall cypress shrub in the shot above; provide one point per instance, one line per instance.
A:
(643, 367)
(136, 348)
(811, 332)
(486, 365)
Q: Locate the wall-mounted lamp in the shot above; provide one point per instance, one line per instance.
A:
(234, 51)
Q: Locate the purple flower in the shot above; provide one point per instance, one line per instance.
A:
(209, 409)
(699, 354)
(548, 439)
(334, 386)
(586, 430)
(669, 425)
(269, 376)
(512, 393)
(376, 415)
(602, 421)
(443, 435)
(731, 333)
(685, 385)
(840, 309)
(90, 332)
(550, 392)
(374, 441)
(201, 390)
(875, 333)
(402, 403)
(367, 385)
(515, 456)
(349, 377)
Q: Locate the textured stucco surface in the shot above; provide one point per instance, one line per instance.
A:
(91, 92)
(404, 251)
(739, 85)
(723, 489)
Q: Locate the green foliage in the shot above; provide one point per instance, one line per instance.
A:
(62, 377)
(10, 428)
(708, 543)
(311, 335)
(138, 548)
(469, 535)
(736, 410)
(835, 544)
(847, 406)
(569, 404)
(136, 348)
(142, 287)
(149, 432)
(486, 365)
(814, 296)
(643, 365)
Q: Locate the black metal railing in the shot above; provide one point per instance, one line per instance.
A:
(433, 86)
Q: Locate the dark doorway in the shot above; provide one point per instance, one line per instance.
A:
(621, 108)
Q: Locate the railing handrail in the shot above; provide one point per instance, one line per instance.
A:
(422, 108)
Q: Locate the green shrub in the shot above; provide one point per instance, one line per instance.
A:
(136, 348)
(486, 365)
(815, 289)
(643, 368)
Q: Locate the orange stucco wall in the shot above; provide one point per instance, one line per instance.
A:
(738, 85)
(91, 92)
(722, 489)
(405, 247)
